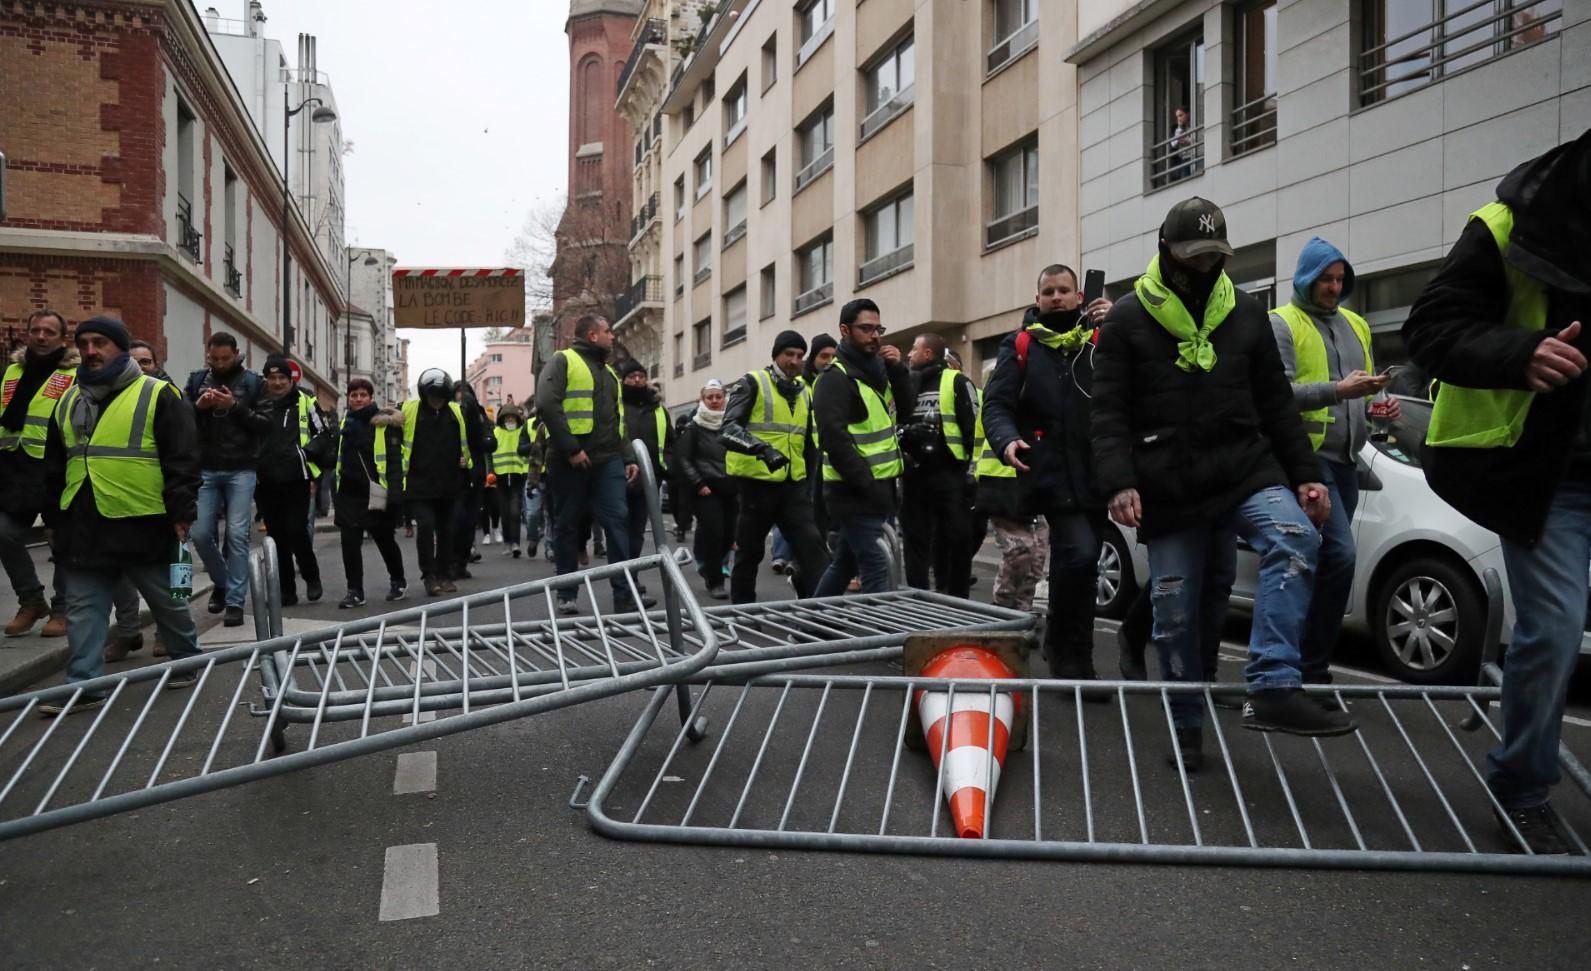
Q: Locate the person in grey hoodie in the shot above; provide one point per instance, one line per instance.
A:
(1326, 353)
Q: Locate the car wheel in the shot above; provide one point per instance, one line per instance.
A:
(1114, 587)
(1429, 622)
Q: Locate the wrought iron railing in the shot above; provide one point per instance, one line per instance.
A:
(647, 290)
(645, 217)
(234, 277)
(655, 32)
(187, 236)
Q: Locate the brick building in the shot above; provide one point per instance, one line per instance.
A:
(139, 186)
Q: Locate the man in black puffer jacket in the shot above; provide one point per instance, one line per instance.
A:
(295, 440)
(1197, 439)
(1036, 418)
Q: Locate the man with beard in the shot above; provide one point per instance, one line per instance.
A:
(35, 381)
(934, 516)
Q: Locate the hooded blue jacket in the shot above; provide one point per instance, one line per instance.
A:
(1349, 431)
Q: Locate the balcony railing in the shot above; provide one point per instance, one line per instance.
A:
(1020, 42)
(1013, 225)
(734, 234)
(647, 291)
(815, 297)
(884, 113)
(815, 168)
(701, 360)
(1254, 124)
(1470, 34)
(234, 277)
(1178, 157)
(646, 217)
(655, 32)
(702, 273)
(679, 369)
(187, 237)
(884, 265)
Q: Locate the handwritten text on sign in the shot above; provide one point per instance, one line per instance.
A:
(464, 300)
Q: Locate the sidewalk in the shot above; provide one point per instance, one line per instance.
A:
(32, 658)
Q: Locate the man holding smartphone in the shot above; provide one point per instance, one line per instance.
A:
(1325, 351)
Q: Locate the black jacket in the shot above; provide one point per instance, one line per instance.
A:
(282, 460)
(926, 422)
(701, 459)
(604, 442)
(737, 415)
(87, 540)
(640, 424)
(357, 446)
(1455, 331)
(22, 490)
(836, 404)
(1195, 444)
(434, 470)
(228, 441)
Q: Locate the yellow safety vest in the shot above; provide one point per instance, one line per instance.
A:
(380, 455)
(507, 460)
(411, 412)
(1491, 417)
(579, 409)
(36, 424)
(119, 459)
(777, 423)
(1309, 355)
(874, 435)
(989, 465)
(304, 408)
(954, 440)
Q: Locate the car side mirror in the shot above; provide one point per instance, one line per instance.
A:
(1368, 480)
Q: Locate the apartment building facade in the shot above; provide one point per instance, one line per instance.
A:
(502, 373)
(820, 151)
(1379, 125)
(373, 347)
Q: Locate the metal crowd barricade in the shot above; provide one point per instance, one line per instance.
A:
(805, 761)
(376, 683)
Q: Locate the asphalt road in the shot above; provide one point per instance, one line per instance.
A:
(301, 869)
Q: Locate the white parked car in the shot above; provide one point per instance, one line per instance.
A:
(1417, 588)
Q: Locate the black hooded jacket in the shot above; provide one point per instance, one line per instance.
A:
(836, 404)
(1455, 331)
(640, 424)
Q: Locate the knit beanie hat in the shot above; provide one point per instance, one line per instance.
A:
(786, 340)
(110, 328)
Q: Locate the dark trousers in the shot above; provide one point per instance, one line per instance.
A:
(1074, 573)
(764, 505)
(491, 508)
(934, 529)
(285, 509)
(597, 492)
(354, 560)
(511, 493)
(636, 518)
(715, 526)
(468, 512)
(434, 522)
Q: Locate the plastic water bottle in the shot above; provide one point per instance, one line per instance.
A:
(182, 575)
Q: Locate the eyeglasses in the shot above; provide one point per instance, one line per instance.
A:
(866, 329)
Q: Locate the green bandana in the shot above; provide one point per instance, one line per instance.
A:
(1068, 342)
(1193, 343)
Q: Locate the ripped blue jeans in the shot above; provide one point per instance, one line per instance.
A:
(1288, 545)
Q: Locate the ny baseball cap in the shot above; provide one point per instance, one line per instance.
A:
(1193, 227)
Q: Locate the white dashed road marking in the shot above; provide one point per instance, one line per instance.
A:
(416, 773)
(409, 882)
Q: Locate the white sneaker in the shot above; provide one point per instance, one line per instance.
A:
(497, 534)
(487, 541)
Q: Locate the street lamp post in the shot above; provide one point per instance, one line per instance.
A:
(320, 115)
(348, 314)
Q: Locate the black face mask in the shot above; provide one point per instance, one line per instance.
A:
(1190, 285)
(636, 396)
(1061, 321)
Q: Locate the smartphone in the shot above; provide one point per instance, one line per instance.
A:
(1093, 286)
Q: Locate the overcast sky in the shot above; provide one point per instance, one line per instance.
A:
(459, 118)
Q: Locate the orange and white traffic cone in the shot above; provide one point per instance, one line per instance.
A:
(967, 754)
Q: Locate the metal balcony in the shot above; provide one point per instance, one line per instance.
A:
(655, 32)
(643, 293)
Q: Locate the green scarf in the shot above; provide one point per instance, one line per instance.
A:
(1068, 342)
(1193, 343)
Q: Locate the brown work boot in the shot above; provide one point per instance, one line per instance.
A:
(118, 647)
(56, 627)
(25, 619)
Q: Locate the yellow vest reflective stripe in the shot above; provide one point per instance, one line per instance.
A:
(119, 459)
(874, 434)
(1486, 417)
(661, 417)
(304, 408)
(411, 412)
(776, 422)
(954, 440)
(36, 423)
(380, 454)
(578, 407)
(1309, 355)
(989, 465)
(507, 460)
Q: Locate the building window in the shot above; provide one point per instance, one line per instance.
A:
(887, 243)
(702, 257)
(815, 146)
(1178, 149)
(704, 171)
(888, 86)
(1254, 109)
(229, 199)
(702, 339)
(770, 62)
(814, 275)
(188, 235)
(494, 358)
(679, 276)
(767, 296)
(770, 176)
(679, 198)
(679, 355)
(1016, 31)
(735, 316)
(814, 24)
(1016, 194)
(1407, 44)
(735, 111)
(735, 214)
(690, 115)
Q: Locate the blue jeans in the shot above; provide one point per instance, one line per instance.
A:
(859, 550)
(533, 514)
(1287, 543)
(782, 550)
(89, 594)
(1549, 586)
(229, 494)
(1333, 573)
(599, 490)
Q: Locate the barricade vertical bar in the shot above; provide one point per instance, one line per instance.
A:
(1342, 798)
(761, 751)
(557, 639)
(1481, 717)
(795, 785)
(1446, 806)
(43, 739)
(1287, 790)
(723, 741)
(276, 706)
(1038, 778)
(1082, 754)
(1231, 770)
(850, 758)
(187, 709)
(673, 750)
(375, 662)
(1497, 807)
(1382, 779)
(132, 733)
(419, 669)
(894, 765)
(464, 643)
(1132, 757)
(944, 740)
(226, 719)
(513, 652)
(81, 744)
(325, 691)
(1182, 770)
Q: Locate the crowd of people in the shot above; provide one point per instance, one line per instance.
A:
(1183, 410)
